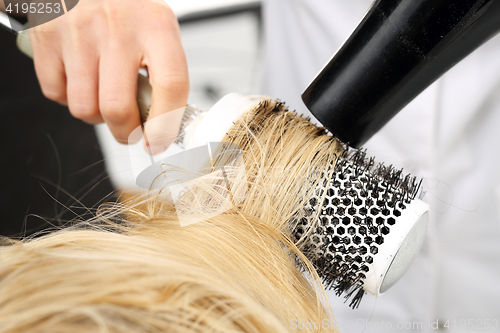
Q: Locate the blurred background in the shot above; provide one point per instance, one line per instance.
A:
(222, 43)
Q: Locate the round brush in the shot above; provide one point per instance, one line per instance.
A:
(363, 226)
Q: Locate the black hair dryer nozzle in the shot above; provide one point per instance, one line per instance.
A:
(398, 50)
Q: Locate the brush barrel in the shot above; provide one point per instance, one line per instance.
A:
(363, 226)
(397, 51)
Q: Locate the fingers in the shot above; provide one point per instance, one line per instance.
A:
(170, 82)
(118, 71)
(49, 69)
(89, 59)
(67, 72)
(82, 84)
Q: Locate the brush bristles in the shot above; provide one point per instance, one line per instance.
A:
(356, 203)
(349, 203)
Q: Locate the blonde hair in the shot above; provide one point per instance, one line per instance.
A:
(134, 268)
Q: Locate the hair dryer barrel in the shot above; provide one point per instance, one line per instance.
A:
(397, 51)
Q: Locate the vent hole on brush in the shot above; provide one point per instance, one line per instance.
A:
(351, 211)
(351, 231)
(356, 240)
(346, 221)
(362, 250)
(385, 212)
(374, 211)
(385, 230)
(313, 202)
(357, 220)
(397, 213)
(379, 240)
(380, 220)
(373, 250)
(391, 221)
(368, 240)
(369, 260)
(340, 230)
(358, 202)
(362, 230)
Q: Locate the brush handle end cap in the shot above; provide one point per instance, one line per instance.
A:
(399, 250)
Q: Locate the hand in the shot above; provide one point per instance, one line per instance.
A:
(89, 59)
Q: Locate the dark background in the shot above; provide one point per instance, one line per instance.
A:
(51, 166)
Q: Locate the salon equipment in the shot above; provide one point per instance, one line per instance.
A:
(371, 225)
(399, 49)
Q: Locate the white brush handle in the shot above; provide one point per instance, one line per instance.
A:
(143, 87)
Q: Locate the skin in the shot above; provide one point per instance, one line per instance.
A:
(88, 59)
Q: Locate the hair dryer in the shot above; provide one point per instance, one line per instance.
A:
(398, 50)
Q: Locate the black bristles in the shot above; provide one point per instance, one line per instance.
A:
(353, 206)
(361, 203)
